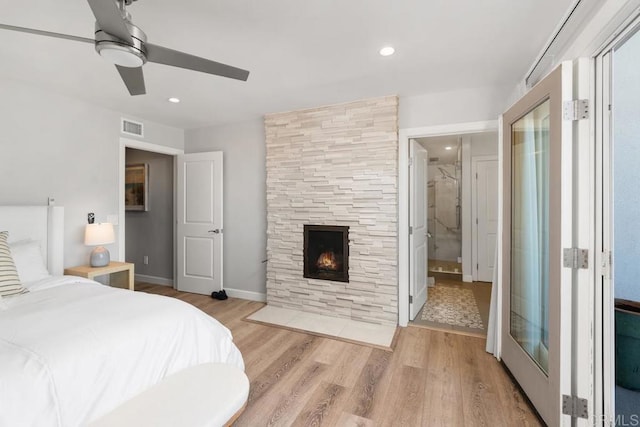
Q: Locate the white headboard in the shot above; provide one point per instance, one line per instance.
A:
(42, 223)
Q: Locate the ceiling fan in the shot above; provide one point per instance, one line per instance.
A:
(119, 41)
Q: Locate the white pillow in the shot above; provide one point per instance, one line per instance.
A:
(28, 260)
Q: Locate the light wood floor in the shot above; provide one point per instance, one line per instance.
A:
(432, 378)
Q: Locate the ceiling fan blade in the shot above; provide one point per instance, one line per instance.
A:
(46, 33)
(163, 55)
(133, 79)
(110, 19)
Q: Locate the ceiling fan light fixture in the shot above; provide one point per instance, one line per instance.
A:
(118, 54)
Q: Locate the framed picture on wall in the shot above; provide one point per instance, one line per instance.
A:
(136, 187)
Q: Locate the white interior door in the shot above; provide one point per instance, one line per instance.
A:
(199, 217)
(418, 252)
(537, 224)
(486, 213)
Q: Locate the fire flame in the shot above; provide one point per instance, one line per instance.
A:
(327, 261)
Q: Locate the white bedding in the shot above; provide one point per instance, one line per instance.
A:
(72, 349)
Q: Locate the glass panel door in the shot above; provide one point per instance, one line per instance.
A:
(622, 340)
(535, 139)
(529, 316)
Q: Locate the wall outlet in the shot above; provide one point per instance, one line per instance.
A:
(145, 260)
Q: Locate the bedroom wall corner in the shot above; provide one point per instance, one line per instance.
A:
(57, 146)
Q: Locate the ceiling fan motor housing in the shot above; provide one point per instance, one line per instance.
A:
(121, 51)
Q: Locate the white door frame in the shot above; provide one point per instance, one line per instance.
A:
(403, 196)
(122, 160)
(474, 211)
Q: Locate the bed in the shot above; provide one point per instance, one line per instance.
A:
(72, 349)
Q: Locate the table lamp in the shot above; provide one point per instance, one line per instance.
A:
(98, 235)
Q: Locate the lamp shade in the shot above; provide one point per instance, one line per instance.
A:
(99, 234)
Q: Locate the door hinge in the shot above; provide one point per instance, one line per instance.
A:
(410, 161)
(575, 407)
(410, 229)
(575, 258)
(410, 299)
(577, 109)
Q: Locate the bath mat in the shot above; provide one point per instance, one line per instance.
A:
(453, 306)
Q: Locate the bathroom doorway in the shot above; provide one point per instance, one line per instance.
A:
(455, 301)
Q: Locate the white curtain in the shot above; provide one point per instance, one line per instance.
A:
(493, 345)
(529, 228)
(526, 249)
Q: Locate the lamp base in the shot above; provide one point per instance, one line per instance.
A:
(100, 257)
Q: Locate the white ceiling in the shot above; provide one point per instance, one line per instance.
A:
(300, 53)
(436, 148)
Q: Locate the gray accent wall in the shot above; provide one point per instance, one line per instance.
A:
(245, 217)
(243, 145)
(151, 233)
(54, 145)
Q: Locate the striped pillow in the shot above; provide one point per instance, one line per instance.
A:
(9, 280)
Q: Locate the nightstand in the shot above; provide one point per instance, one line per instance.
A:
(121, 273)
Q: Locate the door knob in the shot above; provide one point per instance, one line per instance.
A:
(216, 231)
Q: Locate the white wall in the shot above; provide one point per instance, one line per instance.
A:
(245, 212)
(480, 144)
(52, 145)
(460, 106)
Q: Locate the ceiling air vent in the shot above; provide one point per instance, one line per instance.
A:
(132, 128)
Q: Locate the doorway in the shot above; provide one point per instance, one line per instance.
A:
(149, 221)
(123, 244)
(444, 213)
(456, 300)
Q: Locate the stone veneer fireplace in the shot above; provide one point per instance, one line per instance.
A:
(334, 166)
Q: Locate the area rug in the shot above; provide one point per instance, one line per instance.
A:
(453, 306)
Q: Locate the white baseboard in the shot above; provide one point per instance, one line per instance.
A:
(467, 278)
(248, 295)
(154, 280)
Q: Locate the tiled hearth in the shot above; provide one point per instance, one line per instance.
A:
(334, 165)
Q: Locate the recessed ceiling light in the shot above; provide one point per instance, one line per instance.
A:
(387, 51)
(173, 100)
(448, 148)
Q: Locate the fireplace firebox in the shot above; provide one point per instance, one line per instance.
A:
(326, 252)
